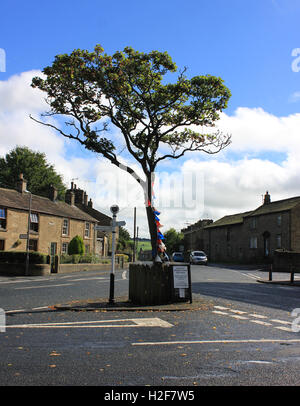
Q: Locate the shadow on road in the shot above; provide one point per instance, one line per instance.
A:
(274, 296)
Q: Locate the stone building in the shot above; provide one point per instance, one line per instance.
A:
(194, 237)
(253, 236)
(80, 199)
(53, 223)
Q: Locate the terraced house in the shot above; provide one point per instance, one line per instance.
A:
(252, 236)
(52, 224)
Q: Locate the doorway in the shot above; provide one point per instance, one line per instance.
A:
(266, 236)
(53, 252)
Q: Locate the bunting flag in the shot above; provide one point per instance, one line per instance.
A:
(159, 243)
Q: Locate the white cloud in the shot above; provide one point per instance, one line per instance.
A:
(255, 130)
(226, 184)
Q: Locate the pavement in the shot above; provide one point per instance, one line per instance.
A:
(123, 304)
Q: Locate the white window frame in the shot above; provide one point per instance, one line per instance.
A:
(65, 227)
(279, 220)
(278, 241)
(66, 245)
(253, 242)
(87, 229)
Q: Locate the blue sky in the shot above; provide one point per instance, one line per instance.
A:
(248, 43)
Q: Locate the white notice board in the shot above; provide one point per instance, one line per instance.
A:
(180, 277)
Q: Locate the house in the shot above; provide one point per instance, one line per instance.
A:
(79, 198)
(253, 236)
(53, 223)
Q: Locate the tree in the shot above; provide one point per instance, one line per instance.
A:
(38, 173)
(173, 240)
(76, 246)
(93, 90)
(124, 241)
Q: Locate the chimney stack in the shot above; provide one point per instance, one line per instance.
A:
(21, 184)
(52, 193)
(267, 198)
(70, 197)
(90, 204)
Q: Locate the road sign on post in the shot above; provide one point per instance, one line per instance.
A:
(103, 228)
(112, 228)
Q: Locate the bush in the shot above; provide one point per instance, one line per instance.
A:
(76, 246)
(19, 257)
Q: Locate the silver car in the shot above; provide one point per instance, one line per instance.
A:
(198, 257)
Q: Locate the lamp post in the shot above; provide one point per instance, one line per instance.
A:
(114, 210)
(28, 233)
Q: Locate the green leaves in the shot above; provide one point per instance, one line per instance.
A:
(128, 89)
(36, 170)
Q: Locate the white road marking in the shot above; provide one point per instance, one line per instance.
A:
(263, 323)
(143, 322)
(235, 316)
(89, 279)
(245, 341)
(255, 362)
(284, 329)
(237, 311)
(221, 308)
(259, 316)
(281, 321)
(44, 286)
(218, 312)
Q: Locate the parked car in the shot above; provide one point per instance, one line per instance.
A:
(198, 257)
(177, 257)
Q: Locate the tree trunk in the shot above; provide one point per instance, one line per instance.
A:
(150, 214)
(152, 230)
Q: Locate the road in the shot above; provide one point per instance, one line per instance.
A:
(241, 335)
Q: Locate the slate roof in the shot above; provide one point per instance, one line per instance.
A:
(101, 217)
(13, 199)
(229, 220)
(273, 207)
(277, 206)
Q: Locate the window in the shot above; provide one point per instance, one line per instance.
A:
(64, 248)
(278, 240)
(34, 222)
(65, 228)
(228, 234)
(253, 223)
(2, 218)
(87, 229)
(33, 245)
(253, 242)
(2, 244)
(279, 218)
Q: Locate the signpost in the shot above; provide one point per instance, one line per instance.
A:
(112, 228)
(182, 280)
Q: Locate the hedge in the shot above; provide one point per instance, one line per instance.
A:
(19, 257)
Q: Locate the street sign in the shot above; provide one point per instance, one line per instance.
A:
(23, 236)
(120, 223)
(103, 228)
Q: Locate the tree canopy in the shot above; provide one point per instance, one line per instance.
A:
(35, 168)
(173, 240)
(158, 120)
